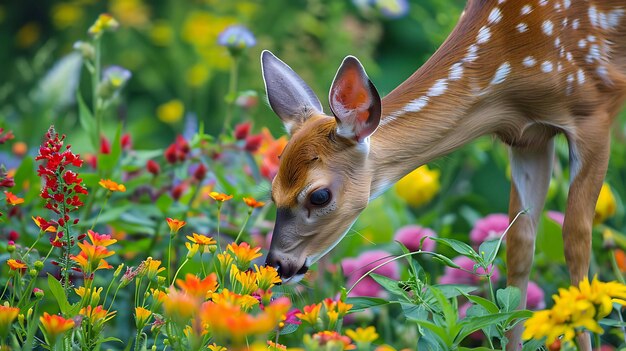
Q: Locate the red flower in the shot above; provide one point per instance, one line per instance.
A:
(177, 151)
(126, 141)
(242, 130)
(153, 167)
(4, 137)
(200, 172)
(105, 145)
(253, 143)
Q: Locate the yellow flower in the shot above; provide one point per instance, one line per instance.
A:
(96, 316)
(251, 202)
(105, 22)
(246, 279)
(161, 33)
(158, 297)
(310, 313)
(7, 316)
(363, 335)
(606, 206)
(418, 187)
(192, 249)
(15, 265)
(197, 75)
(28, 35)
(225, 260)
(132, 13)
(175, 224)
(111, 185)
(219, 196)
(330, 340)
(171, 111)
(266, 277)
(227, 297)
(215, 347)
(142, 316)
(152, 267)
(55, 325)
(91, 257)
(66, 14)
(13, 199)
(85, 294)
(201, 240)
(244, 254)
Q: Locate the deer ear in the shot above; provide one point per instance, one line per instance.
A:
(289, 96)
(354, 100)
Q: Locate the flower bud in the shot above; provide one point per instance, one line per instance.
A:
(242, 130)
(200, 172)
(33, 273)
(153, 167)
(38, 265)
(118, 270)
(86, 50)
(212, 248)
(247, 99)
(160, 280)
(13, 235)
(29, 313)
(253, 143)
(38, 293)
(20, 319)
(11, 248)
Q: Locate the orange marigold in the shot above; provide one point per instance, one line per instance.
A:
(175, 224)
(111, 185)
(15, 265)
(221, 197)
(13, 199)
(251, 202)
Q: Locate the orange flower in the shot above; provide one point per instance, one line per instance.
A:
(246, 279)
(275, 346)
(201, 240)
(219, 196)
(100, 239)
(244, 254)
(152, 267)
(620, 258)
(12, 199)
(7, 316)
(91, 258)
(55, 325)
(310, 313)
(200, 288)
(96, 316)
(111, 185)
(175, 224)
(251, 202)
(333, 338)
(339, 306)
(16, 264)
(245, 302)
(44, 225)
(180, 306)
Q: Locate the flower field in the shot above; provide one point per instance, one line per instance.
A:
(136, 158)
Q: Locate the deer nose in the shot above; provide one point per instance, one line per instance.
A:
(287, 268)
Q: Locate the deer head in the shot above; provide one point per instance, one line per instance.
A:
(323, 182)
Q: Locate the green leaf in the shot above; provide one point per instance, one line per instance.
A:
(389, 284)
(475, 349)
(458, 246)
(481, 301)
(59, 294)
(414, 312)
(449, 313)
(454, 290)
(488, 250)
(508, 298)
(472, 324)
(445, 260)
(289, 328)
(533, 345)
(107, 162)
(362, 303)
(440, 332)
(164, 202)
(87, 121)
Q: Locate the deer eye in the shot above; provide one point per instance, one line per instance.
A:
(319, 197)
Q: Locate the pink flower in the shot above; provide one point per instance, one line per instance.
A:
(556, 216)
(489, 228)
(411, 236)
(355, 268)
(463, 276)
(535, 297)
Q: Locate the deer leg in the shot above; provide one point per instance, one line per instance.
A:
(588, 164)
(531, 169)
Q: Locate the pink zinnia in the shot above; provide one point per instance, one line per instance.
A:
(355, 268)
(489, 228)
(411, 236)
(464, 275)
(535, 297)
(556, 217)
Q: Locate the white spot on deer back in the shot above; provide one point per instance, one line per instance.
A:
(593, 16)
(456, 71)
(495, 16)
(614, 18)
(529, 61)
(526, 9)
(582, 43)
(566, 4)
(522, 27)
(543, 2)
(575, 23)
(501, 73)
(580, 76)
(471, 55)
(417, 104)
(547, 66)
(547, 26)
(484, 34)
(438, 88)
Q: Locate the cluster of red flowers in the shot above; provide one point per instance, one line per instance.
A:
(178, 151)
(63, 187)
(4, 137)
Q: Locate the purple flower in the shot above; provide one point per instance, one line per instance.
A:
(489, 228)
(535, 297)
(236, 37)
(464, 275)
(355, 268)
(557, 217)
(411, 236)
(117, 76)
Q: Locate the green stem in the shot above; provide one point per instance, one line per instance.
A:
(179, 268)
(169, 259)
(95, 80)
(615, 266)
(596, 336)
(219, 219)
(232, 92)
(41, 233)
(202, 262)
(243, 226)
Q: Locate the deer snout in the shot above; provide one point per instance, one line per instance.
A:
(288, 269)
